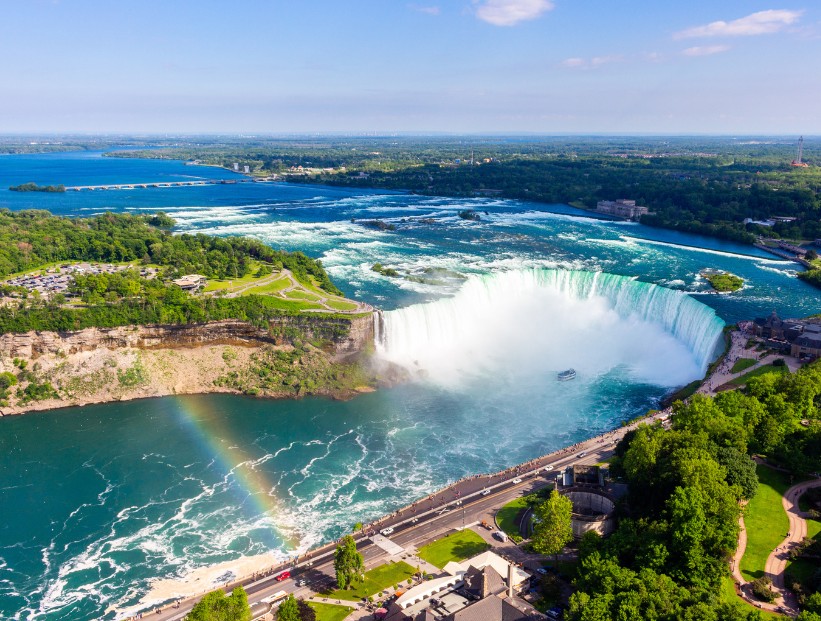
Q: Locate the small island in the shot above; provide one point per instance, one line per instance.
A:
(723, 282)
(33, 187)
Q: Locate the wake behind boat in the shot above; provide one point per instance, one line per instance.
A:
(566, 375)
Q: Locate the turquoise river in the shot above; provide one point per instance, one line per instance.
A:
(98, 501)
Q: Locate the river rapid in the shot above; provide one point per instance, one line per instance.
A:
(99, 500)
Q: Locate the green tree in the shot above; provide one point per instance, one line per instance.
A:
(217, 606)
(348, 563)
(554, 529)
(306, 613)
(288, 610)
(740, 470)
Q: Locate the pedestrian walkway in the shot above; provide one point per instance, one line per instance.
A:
(389, 546)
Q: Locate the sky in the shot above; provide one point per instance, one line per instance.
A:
(383, 66)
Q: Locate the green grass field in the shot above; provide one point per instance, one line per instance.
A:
(507, 517)
(454, 547)
(765, 520)
(742, 363)
(376, 580)
(330, 612)
(767, 368)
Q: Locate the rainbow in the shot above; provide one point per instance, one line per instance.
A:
(211, 429)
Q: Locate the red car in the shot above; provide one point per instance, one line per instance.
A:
(283, 575)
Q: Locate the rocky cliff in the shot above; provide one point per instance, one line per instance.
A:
(346, 335)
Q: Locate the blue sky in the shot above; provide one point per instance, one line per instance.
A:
(474, 66)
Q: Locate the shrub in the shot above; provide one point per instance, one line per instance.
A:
(762, 589)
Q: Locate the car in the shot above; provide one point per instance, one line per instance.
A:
(548, 468)
(555, 613)
(283, 575)
(386, 531)
(485, 492)
(458, 503)
(517, 480)
(541, 570)
(301, 583)
(414, 520)
(500, 535)
(583, 454)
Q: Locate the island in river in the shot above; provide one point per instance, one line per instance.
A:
(166, 315)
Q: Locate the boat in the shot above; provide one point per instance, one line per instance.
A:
(566, 375)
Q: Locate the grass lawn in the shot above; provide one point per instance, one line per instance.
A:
(767, 368)
(454, 547)
(507, 517)
(272, 287)
(376, 580)
(742, 363)
(330, 612)
(339, 304)
(766, 521)
(728, 594)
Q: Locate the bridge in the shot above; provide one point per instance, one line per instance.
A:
(161, 184)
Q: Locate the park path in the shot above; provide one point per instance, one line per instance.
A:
(776, 564)
(777, 561)
(295, 285)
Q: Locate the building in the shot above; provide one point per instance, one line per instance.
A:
(246, 169)
(191, 282)
(474, 590)
(621, 208)
(808, 343)
(800, 338)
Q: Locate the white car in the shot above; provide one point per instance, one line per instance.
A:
(517, 480)
(485, 492)
(386, 531)
(548, 468)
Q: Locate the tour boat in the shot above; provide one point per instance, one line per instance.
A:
(567, 375)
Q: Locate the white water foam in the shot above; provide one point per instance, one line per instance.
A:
(542, 321)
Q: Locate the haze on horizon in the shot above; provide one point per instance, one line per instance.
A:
(456, 66)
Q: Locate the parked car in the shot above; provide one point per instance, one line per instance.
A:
(485, 492)
(541, 570)
(386, 531)
(555, 613)
(517, 480)
(486, 525)
(500, 535)
(548, 468)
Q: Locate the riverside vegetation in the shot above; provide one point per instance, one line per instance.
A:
(302, 361)
(679, 525)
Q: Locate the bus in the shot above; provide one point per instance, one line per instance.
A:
(275, 599)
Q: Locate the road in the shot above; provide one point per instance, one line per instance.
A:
(464, 503)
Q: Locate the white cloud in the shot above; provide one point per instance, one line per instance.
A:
(763, 22)
(429, 10)
(592, 63)
(511, 12)
(705, 50)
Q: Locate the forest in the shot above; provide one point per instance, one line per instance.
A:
(679, 524)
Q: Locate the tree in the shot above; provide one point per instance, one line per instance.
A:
(306, 613)
(288, 610)
(348, 563)
(554, 529)
(740, 470)
(216, 606)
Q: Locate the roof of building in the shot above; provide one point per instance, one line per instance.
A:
(483, 582)
(488, 558)
(496, 609)
(809, 340)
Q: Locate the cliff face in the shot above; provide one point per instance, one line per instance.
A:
(296, 356)
(348, 336)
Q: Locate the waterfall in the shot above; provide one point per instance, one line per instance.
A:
(565, 317)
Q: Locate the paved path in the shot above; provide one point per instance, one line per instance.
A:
(777, 561)
(776, 564)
